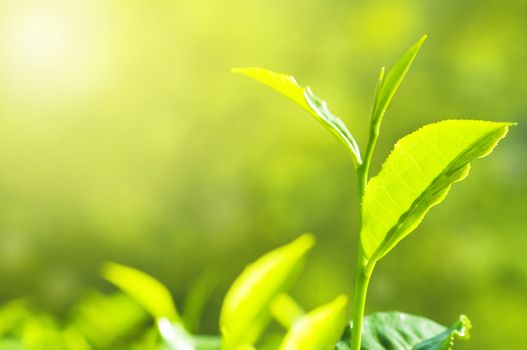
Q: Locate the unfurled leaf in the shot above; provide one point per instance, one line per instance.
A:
(418, 175)
(389, 83)
(145, 289)
(245, 311)
(400, 331)
(318, 330)
(304, 97)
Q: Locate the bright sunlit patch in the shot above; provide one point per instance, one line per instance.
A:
(51, 51)
(41, 38)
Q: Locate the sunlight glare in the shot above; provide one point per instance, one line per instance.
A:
(53, 51)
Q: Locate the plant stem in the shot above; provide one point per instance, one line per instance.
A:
(364, 267)
(362, 280)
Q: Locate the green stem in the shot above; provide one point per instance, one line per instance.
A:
(364, 268)
(362, 281)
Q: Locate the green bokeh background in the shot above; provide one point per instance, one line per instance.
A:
(123, 136)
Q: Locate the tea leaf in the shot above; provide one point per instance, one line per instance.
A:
(175, 337)
(400, 331)
(304, 97)
(245, 311)
(105, 318)
(318, 330)
(285, 310)
(418, 175)
(197, 297)
(145, 289)
(389, 84)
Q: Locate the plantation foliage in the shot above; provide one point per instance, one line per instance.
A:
(126, 142)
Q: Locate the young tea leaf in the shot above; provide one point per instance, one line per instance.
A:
(245, 310)
(304, 97)
(318, 330)
(418, 175)
(388, 85)
(175, 337)
(145, 289)
(400, 331)
(285, 310)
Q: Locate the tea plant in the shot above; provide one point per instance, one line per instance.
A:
(417, 175)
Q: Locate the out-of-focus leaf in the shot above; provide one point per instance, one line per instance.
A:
(12, 314)
(104, 319)
(196, 299)
(75, 340)
(418, 175)
(400, 331)
(145, 289)
(245, 311)
(150, 340)
(177, 338)
(304, 97)
(389, 84)
(318, 330)
(42, 332)
(285, 310)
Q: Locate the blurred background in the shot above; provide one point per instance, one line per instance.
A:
(124, 137)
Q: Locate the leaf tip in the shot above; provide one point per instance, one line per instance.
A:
(305, 242)
(419, 43)
(108, 269)
(239, 70)
(340, 302)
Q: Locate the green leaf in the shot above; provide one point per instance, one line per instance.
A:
(197, 297)
(246, 308)
(388, 85)
(304, 97)
(13, 314)
(145, 289)
(105, 318)
(418, 175)
(285, 310)
(11, 344)
(318, 330)
(175, 337)
(400, 331)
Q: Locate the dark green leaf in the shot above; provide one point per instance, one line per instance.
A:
(400, 331)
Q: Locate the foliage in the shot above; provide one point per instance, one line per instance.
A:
(417, 175)
(399, 331)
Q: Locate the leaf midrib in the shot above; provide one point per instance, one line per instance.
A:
(392, 233)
